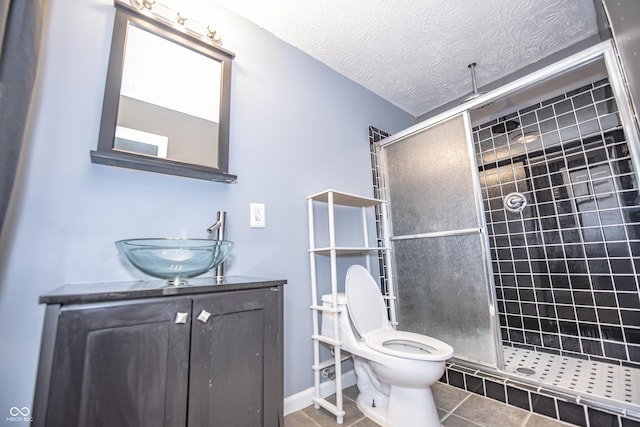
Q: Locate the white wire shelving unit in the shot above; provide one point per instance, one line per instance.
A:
(329, 199)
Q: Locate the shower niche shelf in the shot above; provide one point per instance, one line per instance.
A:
(327, 201)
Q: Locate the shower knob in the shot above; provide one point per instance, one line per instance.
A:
(515, 202)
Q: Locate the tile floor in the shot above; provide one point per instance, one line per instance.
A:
(458, 408)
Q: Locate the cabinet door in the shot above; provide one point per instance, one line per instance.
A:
(236, 360)
(122, 365)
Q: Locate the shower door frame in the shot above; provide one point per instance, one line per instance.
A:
(602, 51)
(482, 269)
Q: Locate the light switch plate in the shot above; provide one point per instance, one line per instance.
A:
(257, 213)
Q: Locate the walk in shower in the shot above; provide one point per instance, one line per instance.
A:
(566, 253)
(525, 255)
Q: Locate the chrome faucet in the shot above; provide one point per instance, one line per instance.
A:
(219, 226)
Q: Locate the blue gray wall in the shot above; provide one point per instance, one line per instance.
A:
(297, 127)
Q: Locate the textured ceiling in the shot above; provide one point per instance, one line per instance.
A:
(415, 53)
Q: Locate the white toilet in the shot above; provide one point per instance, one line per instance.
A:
(394, 369)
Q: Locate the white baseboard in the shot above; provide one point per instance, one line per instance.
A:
(301, 400)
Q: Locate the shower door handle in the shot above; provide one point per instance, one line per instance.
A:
(448, 233)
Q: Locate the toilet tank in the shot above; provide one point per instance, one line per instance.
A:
(326, 325)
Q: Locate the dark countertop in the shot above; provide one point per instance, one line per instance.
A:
(118, 291)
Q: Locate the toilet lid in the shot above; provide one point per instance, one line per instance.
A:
(364, 301)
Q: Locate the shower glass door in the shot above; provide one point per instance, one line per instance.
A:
(441, 260)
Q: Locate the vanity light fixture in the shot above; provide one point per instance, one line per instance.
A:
(176, 19)
(180, 19)
(211, 33)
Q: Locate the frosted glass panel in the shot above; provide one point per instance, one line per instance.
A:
(442, 292)
(429, 176)
(443, 286)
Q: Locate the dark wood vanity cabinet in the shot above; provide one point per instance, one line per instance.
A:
(207, 359)
(121, 364)
(236, 361)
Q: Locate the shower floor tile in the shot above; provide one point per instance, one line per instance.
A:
(595, 378)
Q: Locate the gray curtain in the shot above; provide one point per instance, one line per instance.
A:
(21, 24)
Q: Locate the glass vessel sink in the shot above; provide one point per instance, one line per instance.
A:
(175, 260)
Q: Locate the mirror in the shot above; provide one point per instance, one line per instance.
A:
(166, 102)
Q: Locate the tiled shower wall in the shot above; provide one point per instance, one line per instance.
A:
(565, 267)
(377, 135)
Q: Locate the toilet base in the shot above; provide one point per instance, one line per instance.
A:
(377, 414)
(408, 407)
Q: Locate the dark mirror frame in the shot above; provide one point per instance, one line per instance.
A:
(106, 155)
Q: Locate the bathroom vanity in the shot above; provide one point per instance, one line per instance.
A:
(145, 354)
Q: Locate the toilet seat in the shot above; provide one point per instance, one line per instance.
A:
(408, 345)
(368, 314)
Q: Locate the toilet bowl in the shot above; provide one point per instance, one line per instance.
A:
(394, 369)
